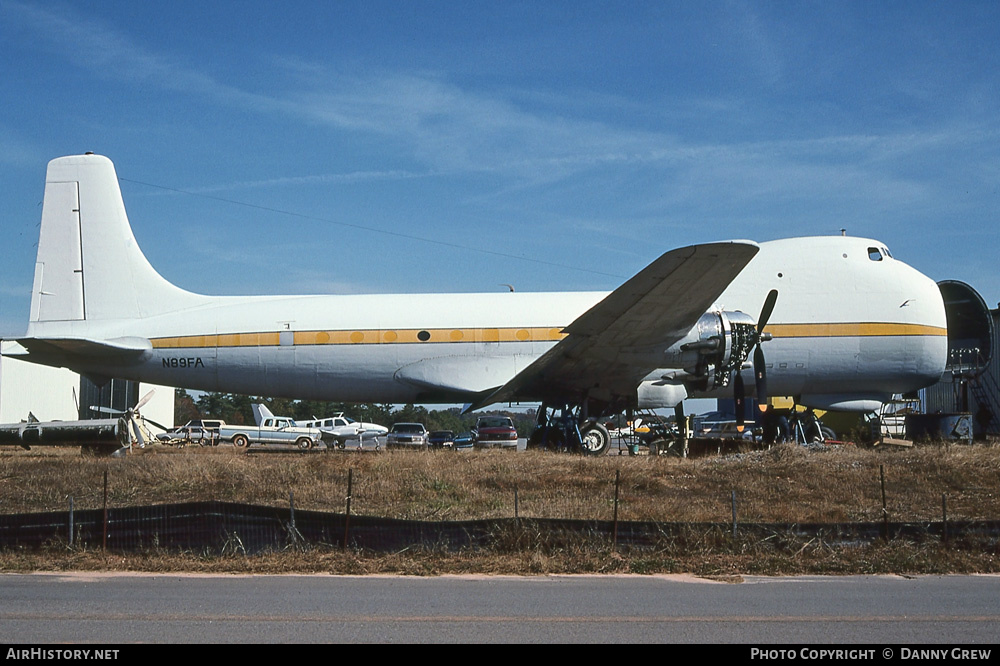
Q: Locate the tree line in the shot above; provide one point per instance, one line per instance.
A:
(235, 409)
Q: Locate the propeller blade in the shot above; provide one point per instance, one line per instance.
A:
(739, 395)
(760, 378)
(137, 429)
(149, 395)
(105, 410)
(149, 420)
(759, 364)
(765, 312)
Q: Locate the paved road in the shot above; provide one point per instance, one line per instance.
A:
(106, 608)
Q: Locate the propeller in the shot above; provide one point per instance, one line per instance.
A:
(759, 365)
(130, 418)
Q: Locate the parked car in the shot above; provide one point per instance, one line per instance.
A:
(492, 431)
(463, 441)
(407, 434)
(441, 438)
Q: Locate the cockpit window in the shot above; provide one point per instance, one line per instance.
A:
(874, 254)
(886, 252)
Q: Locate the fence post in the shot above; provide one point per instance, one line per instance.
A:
(517, 519)
(885, 510)
(614, 527)
(732, 499)
(944, 516)
(104, 530)
(347, 516)
(70, 521)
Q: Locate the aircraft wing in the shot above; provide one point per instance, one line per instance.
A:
(610, 348)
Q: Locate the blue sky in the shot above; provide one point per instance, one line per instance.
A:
(372, 147)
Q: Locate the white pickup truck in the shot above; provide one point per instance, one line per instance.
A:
(272, 430)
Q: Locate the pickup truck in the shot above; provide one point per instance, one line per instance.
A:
(272, 430)
(495, 431)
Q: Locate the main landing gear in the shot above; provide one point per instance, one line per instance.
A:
(565, 428)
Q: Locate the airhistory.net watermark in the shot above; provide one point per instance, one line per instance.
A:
(56, 654)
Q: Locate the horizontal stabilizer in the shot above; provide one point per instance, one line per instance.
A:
(116, 347)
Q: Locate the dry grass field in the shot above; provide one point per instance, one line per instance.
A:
(787, 484)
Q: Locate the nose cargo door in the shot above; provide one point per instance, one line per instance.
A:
(970, 375)
(970, 329)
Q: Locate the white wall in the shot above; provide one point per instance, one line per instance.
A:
(48, 394)
(45, 392)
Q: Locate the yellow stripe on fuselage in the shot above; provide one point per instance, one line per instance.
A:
(853, 330)
(370, 337)
(223, 340)
(538, 334)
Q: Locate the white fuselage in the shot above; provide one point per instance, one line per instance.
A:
(848, 320)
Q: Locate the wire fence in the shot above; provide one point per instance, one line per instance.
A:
(609, 518)
(222, 527)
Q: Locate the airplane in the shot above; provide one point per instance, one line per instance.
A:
(111, 436)
(336, 429)
(836, 322)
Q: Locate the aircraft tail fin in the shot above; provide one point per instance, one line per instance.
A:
(260, 412)
(89, 266)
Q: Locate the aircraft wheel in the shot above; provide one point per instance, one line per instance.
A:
(304, 443)
(595, 440)
(241, 441)
(828, 433)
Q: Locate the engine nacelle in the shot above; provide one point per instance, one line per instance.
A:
(717, 345)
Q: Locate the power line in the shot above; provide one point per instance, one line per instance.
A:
(376, 230)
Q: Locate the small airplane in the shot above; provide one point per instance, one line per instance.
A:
(111, 436)
(336, 429)
(836, 322)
